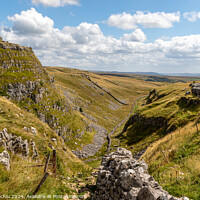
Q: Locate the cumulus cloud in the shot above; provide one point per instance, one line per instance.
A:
(55, 3)
(31, 22)
(127, 21)
(191, 16)
(137, 36)
(86, 46)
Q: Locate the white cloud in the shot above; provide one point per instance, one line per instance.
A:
(31, 22)
(86, 46)
(127, 21)
(137, 36)
(191, 16)
(55, 3)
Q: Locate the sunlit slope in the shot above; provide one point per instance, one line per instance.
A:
(166, 124)
(105, 100)
(25, 82)
(165, 109)
(174, 161)
(22, 179)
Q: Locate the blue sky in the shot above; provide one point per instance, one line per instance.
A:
(121, 35)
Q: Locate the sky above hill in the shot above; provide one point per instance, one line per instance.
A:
(107, 35)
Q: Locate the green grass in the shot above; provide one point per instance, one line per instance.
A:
(181, 176)
(22, 179)
(169, 102)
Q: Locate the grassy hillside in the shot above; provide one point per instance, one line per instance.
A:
(95, 102)
(166, 125)
(22, 179)
(167, 108)
(87, 93)
(68, 107)
(25, 81)
(174, 162)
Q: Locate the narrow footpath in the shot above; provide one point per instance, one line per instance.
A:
(121, 123)
(115, 128)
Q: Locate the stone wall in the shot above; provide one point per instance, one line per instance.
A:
(121, 177)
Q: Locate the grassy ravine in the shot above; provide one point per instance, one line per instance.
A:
(94, 104)
(73, 101)
(173, 151)
(23, 180)
(105, 111)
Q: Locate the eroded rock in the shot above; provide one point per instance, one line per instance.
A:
(196, 89)
(5, 159)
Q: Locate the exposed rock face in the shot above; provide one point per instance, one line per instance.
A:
(5, 159)
(33, 130)
(14, 144)
(24, 80)
(32, 89)
(6, 45)
(155, 122)
(185, 102)
(196, 89)
(123, 178)
(35, 153)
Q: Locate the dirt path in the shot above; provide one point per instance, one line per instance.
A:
(115, 128)
(98, 141)
(121, 123)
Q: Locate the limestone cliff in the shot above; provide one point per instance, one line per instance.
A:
(24, 81)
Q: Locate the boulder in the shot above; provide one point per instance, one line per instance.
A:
(35, 153)
(5, 159)
(33, 130)
(196, 89)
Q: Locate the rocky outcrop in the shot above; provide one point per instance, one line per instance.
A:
(196, 89)
(35, 153)
(153, 96)
(31, 89)
(24, 80)
(16, 145)
(189, 102)
(154, 122)
(121, 177)
(6, 45)
(5, 159)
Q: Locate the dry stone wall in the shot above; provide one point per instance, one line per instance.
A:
(121, 177)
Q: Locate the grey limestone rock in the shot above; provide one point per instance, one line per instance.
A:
(14, 144)
(33, 130)
(196, 89)
(5, 159)
(121, 177)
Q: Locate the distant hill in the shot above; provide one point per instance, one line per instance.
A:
(182, 74)
(150, 73)
(141, 73)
